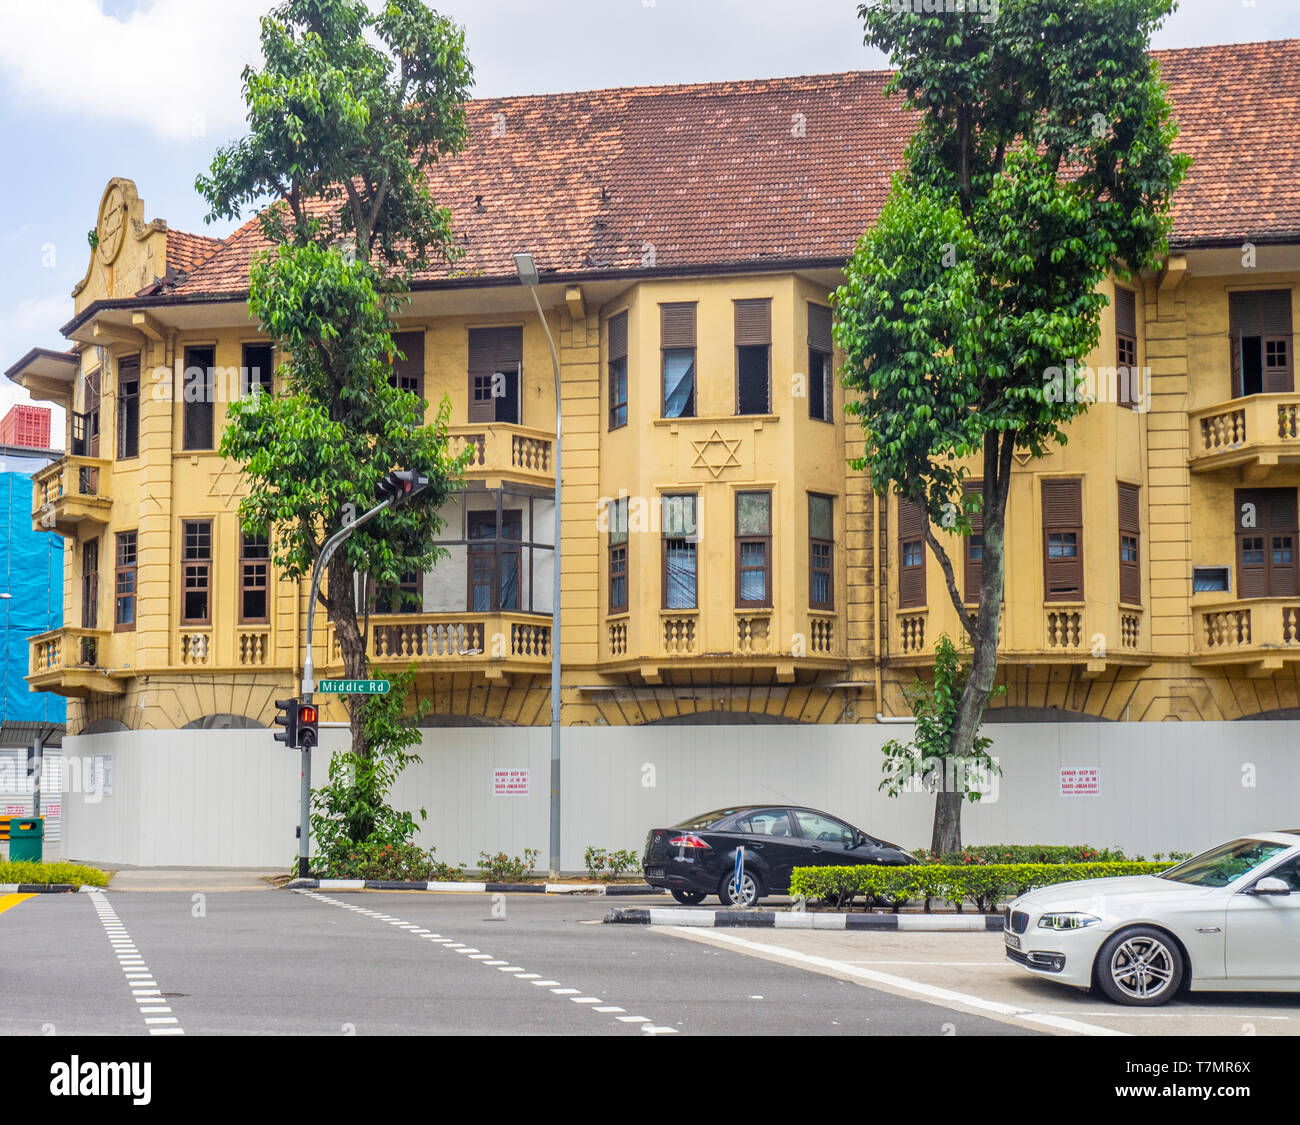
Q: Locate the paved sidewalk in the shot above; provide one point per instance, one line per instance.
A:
(193, 878)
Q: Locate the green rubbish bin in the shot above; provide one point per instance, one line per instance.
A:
(26, 838)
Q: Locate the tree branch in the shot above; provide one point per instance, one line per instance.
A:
(950, 577)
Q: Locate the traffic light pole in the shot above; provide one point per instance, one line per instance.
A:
(332, 544)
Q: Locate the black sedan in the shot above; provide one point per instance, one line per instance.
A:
(698, 856)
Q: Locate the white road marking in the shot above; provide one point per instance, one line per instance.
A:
(504, 967)
(944, 996)
(144, 989)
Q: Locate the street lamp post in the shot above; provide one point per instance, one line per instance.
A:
(527, 271)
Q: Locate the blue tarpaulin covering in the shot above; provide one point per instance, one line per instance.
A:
(31, 570)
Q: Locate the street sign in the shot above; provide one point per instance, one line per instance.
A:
(740, 870)
(352, 687)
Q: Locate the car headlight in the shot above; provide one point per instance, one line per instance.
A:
(1068, 921)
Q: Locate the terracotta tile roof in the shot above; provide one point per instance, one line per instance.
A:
(787, 169)
(185, 251)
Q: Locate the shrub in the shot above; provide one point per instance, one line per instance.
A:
(597, 861)
(45, 874)
(982, 884)
(379, 859)
(502, 868)
(1026, 853)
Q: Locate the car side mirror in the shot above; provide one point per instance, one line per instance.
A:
(1271, 887)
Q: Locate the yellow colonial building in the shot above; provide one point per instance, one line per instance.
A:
(721, 561)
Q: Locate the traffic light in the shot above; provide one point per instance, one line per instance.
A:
(307, 718)
(399, 486)
(287, 717)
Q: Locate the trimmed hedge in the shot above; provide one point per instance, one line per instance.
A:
(983, 885)
(47, 873)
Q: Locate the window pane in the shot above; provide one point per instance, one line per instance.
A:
(819, 518)
(754, 513)
(976, 548)
(821, 587)
(677, 517)
(912, 553)
(752, 376)
(679, 574)
(679, 383)
(618, 521)
(1282, 549)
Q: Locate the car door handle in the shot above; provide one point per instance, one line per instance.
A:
(756, 847)
(815, 848)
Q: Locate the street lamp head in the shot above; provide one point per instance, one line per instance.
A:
(526, 269)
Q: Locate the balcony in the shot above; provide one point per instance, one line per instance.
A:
(488, 643)
(1055, 633)
(66, 662)
(1258, 432)
(69, 491)
(1259, 634)
(501, 451)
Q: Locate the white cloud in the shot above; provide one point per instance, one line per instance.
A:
(171, 66)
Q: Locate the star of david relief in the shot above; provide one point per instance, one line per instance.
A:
(716, 454)
(225, 485)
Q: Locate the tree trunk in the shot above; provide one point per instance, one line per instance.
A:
(342, 614)
(984, 658)
(947, 823)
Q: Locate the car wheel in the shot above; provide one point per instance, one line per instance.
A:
(751, 889)
(688, 898)
(1141, 966)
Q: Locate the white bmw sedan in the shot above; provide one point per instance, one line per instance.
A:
(1224, 921)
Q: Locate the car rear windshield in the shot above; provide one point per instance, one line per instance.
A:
(707, 820)
(1225, 864)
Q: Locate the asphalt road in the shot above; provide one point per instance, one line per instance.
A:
(278, 962)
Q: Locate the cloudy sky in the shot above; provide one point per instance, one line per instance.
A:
(148, 89)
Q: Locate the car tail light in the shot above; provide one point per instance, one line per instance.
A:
(687, 842)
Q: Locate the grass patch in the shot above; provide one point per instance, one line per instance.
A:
(46, 873)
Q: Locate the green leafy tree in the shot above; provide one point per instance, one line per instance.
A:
(353, 807)
(928, 758)
(1042, 162)
(346, 114)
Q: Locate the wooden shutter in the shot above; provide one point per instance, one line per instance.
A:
(1125, 312)
(1266, 314)
(1275, 330)
(1280, 547)
(974, 567)
(1130, 523)
(677, 325)
(819, 328)
(618, 336)
(1062, 515)
(411, 369)
(911, 579)
(753, 323)
(491, 350)
(1252, 529)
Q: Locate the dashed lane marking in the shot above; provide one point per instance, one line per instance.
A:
(157, 1016)
(594, 1003)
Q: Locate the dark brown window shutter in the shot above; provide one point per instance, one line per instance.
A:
(819, 328)
(1130, 525)
(618, 336)
(1266, 551)
(974, 562)
(1263, 315)
(410, 371)
(753, 323)
(911, 543)
(1062, 540)
(1234, 362)
(677, 325)
(1125, 312)
(491, 350)
(510, 348)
